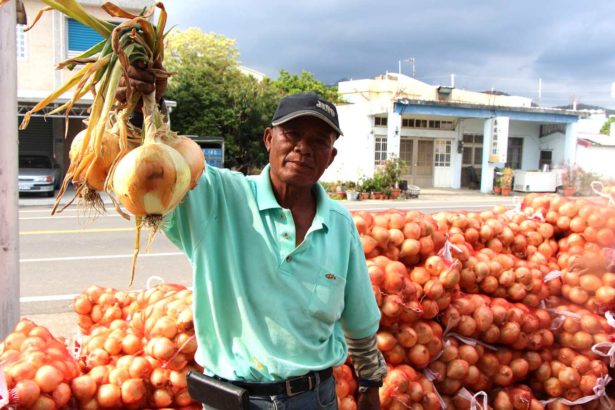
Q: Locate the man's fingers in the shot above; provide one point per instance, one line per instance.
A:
(143, 87)
(120, 94)
(137, 74)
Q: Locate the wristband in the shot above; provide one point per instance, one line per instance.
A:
(364, 384)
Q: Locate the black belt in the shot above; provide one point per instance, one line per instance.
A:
(290, 387)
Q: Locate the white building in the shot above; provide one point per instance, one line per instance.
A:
(448, 137)
(53, 39)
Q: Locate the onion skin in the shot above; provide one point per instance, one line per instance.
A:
(151, 179)
(193, 154)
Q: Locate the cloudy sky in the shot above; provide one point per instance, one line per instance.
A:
(487, 44)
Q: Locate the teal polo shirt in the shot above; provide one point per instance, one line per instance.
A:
(265, 309)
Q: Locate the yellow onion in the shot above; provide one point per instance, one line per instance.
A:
(193, 154)
(151, 179)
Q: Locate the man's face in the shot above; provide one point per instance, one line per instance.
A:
(300, 150)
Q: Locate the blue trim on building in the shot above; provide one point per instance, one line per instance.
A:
(467, 112)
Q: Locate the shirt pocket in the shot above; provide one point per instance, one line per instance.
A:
(327, 301)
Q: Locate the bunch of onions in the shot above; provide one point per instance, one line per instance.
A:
(476, 367)
(567, 374)
(345, 387)
(92, 180)
(516, 397)
(37, 367)
(506, 276)
(579, 329)
(395, 293)
(496, 321)
(414, 344)
(149, 180)
(409, 237)
(98, 306)
(404, 388)
(596, 290)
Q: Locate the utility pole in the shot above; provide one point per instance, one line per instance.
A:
(453, 80)
(539, 90)
(9, 240)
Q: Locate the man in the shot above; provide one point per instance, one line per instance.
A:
(281, 289)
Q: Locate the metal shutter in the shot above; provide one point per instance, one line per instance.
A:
(38, 137)
(80, 37)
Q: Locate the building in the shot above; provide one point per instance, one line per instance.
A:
(52, 40)
(448, 137)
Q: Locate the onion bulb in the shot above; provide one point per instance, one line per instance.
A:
(151, 179)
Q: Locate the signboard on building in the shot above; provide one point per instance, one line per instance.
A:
(499, 139)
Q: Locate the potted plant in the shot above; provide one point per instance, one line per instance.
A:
(351, 191)
(497, 187)
(506, 181)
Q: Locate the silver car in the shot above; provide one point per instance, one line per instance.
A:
(38, 174)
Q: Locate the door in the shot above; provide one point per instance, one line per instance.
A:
(418, 155)
(472, 161)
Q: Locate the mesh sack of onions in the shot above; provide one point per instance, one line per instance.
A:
(99, 306)
(415, 344)
(36, 368)
(405, 388)
(345, 387)
(497, 321)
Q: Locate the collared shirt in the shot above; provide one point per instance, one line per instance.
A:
(265, 309)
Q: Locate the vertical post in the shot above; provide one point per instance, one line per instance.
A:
(9, 250)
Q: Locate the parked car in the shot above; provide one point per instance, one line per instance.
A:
(38, 173)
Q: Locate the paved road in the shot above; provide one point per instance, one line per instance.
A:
(62, 255)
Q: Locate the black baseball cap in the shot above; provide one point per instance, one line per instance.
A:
(308, 103)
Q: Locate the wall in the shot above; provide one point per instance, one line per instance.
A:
(598, 160)
(46, 46)
(554, 143)
(529, 131)
(355, 149)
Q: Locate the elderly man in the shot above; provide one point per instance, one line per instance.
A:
(281, 289)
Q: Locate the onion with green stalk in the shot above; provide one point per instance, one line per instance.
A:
(149, 180)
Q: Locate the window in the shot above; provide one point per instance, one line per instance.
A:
(380, 149)
(429, 124)
(442, 153)
(380, 121)
(515, 152)
(21, 42)
(546, 158)
(472, 150)
(81, 37)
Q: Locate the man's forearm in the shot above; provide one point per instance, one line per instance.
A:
(367, 360)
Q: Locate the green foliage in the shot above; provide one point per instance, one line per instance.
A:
(289, 83)
(214, 98)
(606, 128)
(390, 170)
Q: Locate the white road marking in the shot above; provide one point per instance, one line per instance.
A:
(49, 298)
(92, 257)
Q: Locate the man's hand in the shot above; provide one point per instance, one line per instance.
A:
(142, 79)
(369, 400)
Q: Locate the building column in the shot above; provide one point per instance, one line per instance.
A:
(486, 180)
(9, 218)
(570, 142)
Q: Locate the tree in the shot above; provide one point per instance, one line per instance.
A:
(214, 98)
(606, 128)
(292, 83)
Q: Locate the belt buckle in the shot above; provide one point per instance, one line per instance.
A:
(289, 387)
